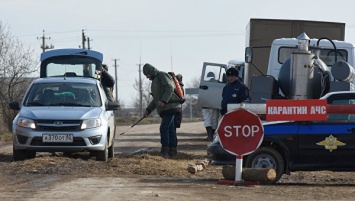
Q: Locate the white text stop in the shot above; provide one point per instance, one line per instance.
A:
(246, 130)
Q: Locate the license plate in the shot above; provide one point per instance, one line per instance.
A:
(57, 138)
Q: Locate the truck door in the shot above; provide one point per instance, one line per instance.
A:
(329, 143)
(213, 79)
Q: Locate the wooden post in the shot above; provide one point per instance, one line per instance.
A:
(249, 174)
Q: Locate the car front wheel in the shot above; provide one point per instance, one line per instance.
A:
(111, 149)
(19, 155)
(266, 157)
(102, 155)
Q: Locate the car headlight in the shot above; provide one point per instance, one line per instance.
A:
(27, 123)
(90, 123)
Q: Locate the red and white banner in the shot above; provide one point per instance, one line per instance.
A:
(296, 110)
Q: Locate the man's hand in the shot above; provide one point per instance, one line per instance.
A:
(161, 104)
(146, 113)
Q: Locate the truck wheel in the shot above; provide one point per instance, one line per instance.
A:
(102, 155)
(266, 157)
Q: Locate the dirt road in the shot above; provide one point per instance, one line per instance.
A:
(51, 178)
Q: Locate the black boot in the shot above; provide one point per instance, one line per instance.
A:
(164, 151)
(209, 133)
(172, 152)
(213, 133)
(207, 128)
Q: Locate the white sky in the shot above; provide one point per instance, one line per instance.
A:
(173, 35)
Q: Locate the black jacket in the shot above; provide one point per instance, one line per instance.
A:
(107, 82)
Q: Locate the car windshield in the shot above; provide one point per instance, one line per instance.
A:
(326, 55)
(63, 94)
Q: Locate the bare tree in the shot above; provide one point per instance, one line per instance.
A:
(146, 97)
(16, 65)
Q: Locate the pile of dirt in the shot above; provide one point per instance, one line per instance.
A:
(82, 164)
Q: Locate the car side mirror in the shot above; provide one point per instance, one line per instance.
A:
(14, 105)
(112, 105)
(248, 55)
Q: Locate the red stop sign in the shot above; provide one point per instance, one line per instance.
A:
(240, 132)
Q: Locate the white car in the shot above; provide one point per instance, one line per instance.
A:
(65, 111)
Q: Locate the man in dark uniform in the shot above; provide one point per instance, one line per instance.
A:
(107, 82)
(234, 91)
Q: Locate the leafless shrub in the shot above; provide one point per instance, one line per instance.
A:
(16, 65)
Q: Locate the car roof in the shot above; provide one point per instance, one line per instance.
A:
(67, 79)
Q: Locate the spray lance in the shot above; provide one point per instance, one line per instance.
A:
(133, 125)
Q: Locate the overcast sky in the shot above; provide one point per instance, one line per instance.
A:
(173, 35)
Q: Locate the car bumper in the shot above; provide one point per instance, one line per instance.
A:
(28, 139)
(219, 155)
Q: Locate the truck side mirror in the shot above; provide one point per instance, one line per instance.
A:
(248, 55)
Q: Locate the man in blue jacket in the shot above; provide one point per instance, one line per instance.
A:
(234, 91)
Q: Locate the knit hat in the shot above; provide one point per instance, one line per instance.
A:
(179, 77)
(232, 72)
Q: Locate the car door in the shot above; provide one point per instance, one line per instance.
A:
(329, 143)
(213, 79)
(109, 114)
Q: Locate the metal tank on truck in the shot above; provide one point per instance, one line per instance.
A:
(309, 72)
(260, 33)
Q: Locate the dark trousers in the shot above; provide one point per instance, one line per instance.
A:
(168, 132)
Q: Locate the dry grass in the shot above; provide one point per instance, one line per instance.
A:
(82, 164)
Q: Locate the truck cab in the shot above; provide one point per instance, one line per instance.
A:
(272, 85)
(304, 68)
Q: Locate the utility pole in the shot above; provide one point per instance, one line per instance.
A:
(140, 81)
(116, 66)
(44, 46)
(89, 43)
(140, 89)
(83, 39)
